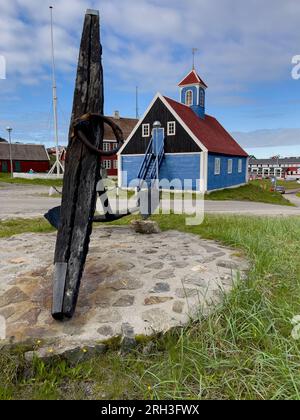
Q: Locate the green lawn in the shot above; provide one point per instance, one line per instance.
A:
(17, 226)
(244, 350)
(254, 191)
(47, 182)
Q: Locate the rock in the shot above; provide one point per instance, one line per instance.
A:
(194, 279)
(17, 261)
(156, 300)
(161, 288)
(107, 316)
(199, 268)
(228, 264)
(72, 355)
(124, 301)
(178, 307)
(210, 249)
(165, 275)
(146, 227)
(186, 293)
(13, 295)
(155, 266)
(149, 348)
(106, 331)
(158, 320)
(124, 283)
(180, 264)
(128, 341)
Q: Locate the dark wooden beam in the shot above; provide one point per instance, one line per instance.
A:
(82, 173)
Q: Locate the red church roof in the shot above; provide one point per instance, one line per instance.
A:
(208, 131)
(191, 79)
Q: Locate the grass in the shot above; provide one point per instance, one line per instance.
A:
(244, 350)
(20, 181)
(254, 191)
(18, 226)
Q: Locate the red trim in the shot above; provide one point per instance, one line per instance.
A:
(191, 79)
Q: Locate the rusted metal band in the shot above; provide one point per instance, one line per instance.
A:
(79, 134)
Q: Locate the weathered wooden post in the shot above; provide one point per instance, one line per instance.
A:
(82, 172)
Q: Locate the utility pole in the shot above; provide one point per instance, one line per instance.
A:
(9, 130)
(57, 165)
(137, 102)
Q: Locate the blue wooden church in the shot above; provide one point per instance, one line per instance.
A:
(181, 145)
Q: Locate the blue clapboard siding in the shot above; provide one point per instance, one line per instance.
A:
(176, 168)
(225, 180)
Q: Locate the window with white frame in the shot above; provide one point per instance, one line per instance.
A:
(189, 98)
(217, 166)
(146, 130)
(240, 169)
(230, 166)
(115, 164)
(171, 128)
(202, 98)
(107, 164)
(106, 147)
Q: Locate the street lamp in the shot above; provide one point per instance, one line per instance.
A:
(9, 130)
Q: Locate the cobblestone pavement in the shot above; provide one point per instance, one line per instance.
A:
(138, 283)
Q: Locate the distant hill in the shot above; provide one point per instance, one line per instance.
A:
(2, 140)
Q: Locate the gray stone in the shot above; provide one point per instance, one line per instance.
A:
(157, 320)
(106, 331)
(228, 264)
(72, 355)
(149, 348)
(178, 307)
(209, 249)
(186, 293)
(110, 315)
(146, 227)
(195, 279)
(155, 266)
(181, 264)
(165, 275)
(128, 341)
(124, 301)
(161, 288)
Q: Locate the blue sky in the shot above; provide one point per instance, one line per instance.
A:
(245, 57)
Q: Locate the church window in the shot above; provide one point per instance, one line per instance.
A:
(202, 98)
(189, 98)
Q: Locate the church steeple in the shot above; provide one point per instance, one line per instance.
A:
(192, 93)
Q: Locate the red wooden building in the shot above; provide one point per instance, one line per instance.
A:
(109, 143)
(25, 157)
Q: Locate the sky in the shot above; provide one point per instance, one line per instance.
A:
(245, 53)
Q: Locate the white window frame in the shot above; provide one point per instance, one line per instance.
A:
(201, 97)
(106, 146)
(107, 164)
(186, 97)
(146, 130)
(230, 166)
(240, 166)
(217, 166)
(115, 165)
(171, 128)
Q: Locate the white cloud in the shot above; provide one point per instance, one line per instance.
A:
(149, 41)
